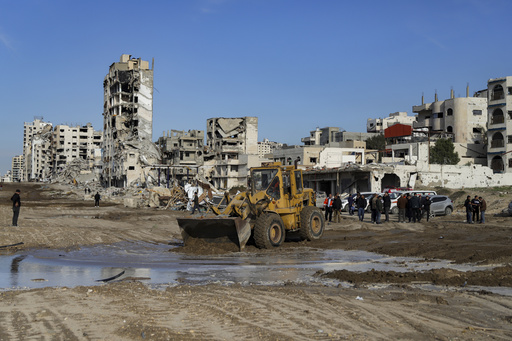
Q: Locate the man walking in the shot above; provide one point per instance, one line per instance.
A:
(97, 198)
(16, 204)
(483, 208)
(196, 203)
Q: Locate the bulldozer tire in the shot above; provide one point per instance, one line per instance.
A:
(311, 223)
(268, 231)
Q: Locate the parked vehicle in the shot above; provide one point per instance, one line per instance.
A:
(441, 205)
(396, 195)
(510, 208)
(367, 196)
(320, 198)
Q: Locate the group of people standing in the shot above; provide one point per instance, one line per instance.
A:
(332, 208)
(475, 209)
(411, 208)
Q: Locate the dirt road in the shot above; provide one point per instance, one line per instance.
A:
(379, 305)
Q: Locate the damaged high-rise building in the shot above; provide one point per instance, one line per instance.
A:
(128, 123)
(232, 145)
(37, 155)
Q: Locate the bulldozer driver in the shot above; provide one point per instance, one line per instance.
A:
(328, 207)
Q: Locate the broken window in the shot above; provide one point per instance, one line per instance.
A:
(477, 130)
(509, 163)
(510, 115)
(131, 168)
(449, 112)
(477, 112)
(449, 129)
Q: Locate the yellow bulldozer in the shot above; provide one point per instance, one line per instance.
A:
(275, 203)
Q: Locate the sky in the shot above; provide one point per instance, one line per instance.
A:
(294, 64)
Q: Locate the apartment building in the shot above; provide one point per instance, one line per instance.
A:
(464, 119)
(266, 147)
(17, 168)
(76, 143)
(333, 137)
(499, 128)
(36, 150)
(378, 125)
(182, 148)
(127, 121)
(232, 148)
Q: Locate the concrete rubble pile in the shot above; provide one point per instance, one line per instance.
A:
(181, 197)
(76, 171)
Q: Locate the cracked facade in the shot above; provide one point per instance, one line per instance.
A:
(128, 122)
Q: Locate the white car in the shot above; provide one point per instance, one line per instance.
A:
(367, 196)
(395, 195)
(320, 198)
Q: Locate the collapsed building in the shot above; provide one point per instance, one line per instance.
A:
(232, 148)
(128, 123)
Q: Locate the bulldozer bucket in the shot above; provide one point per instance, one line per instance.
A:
(216, 230)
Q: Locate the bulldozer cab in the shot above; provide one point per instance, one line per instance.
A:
(282, 184)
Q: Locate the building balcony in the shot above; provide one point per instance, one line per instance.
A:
(498, 144)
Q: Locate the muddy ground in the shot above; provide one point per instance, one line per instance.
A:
(378, 305)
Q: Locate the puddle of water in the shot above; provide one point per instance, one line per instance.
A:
(57, 268)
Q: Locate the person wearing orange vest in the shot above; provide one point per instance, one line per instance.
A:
(328, 208)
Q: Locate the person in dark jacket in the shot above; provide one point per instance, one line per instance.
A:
(476, 209)
(97, 198)
(378, 209)
(328, 202)
(387, 205)
(16, 204)
(483, 208)
(196, 203)
(350, 201)
(373, 207)
(415, 207)
(409, 208)
(469, 210)
(361, 206)
(402, 207)
(336, 208)
(426, 206)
